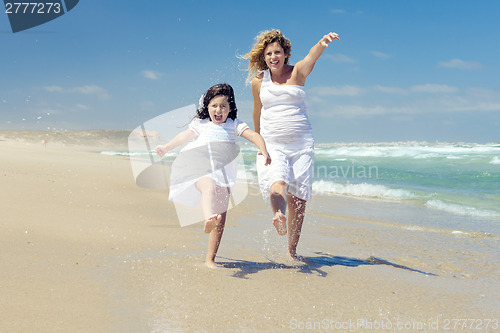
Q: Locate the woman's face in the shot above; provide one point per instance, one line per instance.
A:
(274, 56)
(218, 109)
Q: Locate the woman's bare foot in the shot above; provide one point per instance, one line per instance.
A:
(293, 255)
(295, 260)
(279, 222)
(212, 222)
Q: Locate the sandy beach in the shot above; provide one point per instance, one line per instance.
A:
(86, 250)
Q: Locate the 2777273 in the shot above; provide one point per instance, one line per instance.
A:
(32, 7)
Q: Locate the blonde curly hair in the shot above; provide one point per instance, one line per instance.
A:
(256, 58)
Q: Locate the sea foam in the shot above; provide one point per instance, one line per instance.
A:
(462, 210)
(495, 160)
(362, 190)
(417, 151)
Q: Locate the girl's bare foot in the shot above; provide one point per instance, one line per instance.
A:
(210, 264)
(279, 222)
(212, 222)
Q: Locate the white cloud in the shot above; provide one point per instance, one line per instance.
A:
(419, 99)
(348, 90)
(380, 55)
(434, 89)
(481, 93)
(339, 58)
(88, 90)
(82, 107)
(337, 91)
(356, 110)
(477, 107)
(390, 90)
(475, 99)
(54, 89)
(460, 64)
(84, 90)
(152, 75)
(362, 110)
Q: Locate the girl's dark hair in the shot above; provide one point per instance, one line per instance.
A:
(222, 89)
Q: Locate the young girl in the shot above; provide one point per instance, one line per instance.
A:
(206, 168)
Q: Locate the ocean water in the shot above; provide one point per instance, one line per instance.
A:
(456, 178)
(461, 179)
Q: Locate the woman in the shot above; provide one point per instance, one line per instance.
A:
(279, 115)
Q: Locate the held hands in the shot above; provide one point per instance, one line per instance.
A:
(327, 39)
(266, 156)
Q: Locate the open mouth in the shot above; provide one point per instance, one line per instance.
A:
(218, 118)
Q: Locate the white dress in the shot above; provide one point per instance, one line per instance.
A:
(213, 154)
(286, 129)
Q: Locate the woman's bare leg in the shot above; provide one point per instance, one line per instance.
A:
(278, 205)
(296, 213)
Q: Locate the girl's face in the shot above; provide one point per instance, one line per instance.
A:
(274, 56)
(218, 109)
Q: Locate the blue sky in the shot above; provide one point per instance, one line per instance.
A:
(403, 70)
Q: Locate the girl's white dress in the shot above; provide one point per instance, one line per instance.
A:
(213, 154)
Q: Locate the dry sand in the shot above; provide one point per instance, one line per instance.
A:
(86, 250)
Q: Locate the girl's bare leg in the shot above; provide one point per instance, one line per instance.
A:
(296, 213)
(206, 186)
(278, 205)
(214, 239)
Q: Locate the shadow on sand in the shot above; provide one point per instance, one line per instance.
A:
(308, 265)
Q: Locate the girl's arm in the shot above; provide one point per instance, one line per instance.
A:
(257, 140)
(257, 104)
(178, 140)
(306, 65)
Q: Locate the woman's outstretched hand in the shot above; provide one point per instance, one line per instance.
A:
(328, 38)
